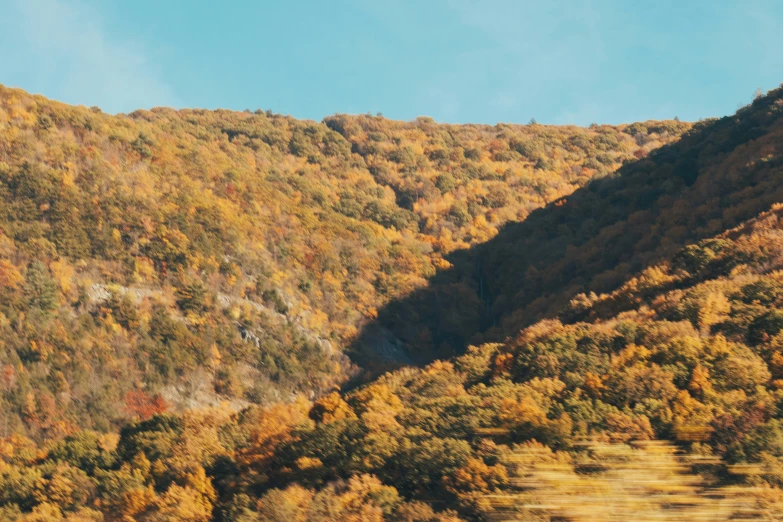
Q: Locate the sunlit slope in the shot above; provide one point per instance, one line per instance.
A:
(662, 405)
(193, 257)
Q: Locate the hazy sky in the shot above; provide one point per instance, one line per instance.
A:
(576, 61)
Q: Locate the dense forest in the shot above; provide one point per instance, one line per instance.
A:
(192, 258)
(720, 173)
(184, 293)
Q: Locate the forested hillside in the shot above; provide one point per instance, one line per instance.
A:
(720, 173)
(180, 288)
(185, 258)
(559, 422)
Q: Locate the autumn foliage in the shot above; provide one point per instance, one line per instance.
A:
(184, 293)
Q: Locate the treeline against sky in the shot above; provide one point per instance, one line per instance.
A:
(180, 292)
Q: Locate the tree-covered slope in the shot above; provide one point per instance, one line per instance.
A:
(178, 288)
(720, 173)
(560, 421)
(192, 257)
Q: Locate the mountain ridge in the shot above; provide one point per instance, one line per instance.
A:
(599, 236)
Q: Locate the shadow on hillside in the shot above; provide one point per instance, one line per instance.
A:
(592, 240)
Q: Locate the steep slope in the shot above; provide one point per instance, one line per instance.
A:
(559, 421)
(720, 173)
(165, 257)
(192, 257)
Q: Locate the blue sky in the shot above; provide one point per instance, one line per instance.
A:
(483, 61)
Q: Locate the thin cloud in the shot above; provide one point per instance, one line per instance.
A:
(67, 50)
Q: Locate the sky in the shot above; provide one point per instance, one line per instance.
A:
(458, 61)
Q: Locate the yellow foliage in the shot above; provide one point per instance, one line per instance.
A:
(136, 501)
(700, 381)
(477, 476)
(181, 504)
(330, 408)
(630, 355)
(594, 384)
(272, 427)
(525, 410)
(10, 277)
(713, 310)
